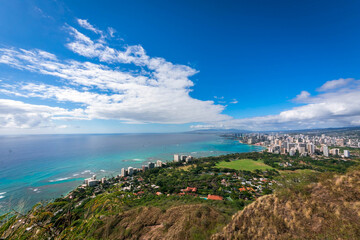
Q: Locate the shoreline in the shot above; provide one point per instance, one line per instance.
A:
(67, 183)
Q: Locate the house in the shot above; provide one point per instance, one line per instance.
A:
(243, 189)
(189, 189)
(139, 193)
(215, 197)
(224, 182)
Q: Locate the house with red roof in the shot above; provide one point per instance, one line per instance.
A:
(215, 197)
(189, 189)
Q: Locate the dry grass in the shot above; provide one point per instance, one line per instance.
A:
(186, 168)
(329, 210)
(180, 222)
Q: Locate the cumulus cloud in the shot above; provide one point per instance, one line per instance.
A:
(129, 85)
(303, 96)
(153, 91)
(17, 114)
(338, 108)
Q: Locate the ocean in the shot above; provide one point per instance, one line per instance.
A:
(43, 167)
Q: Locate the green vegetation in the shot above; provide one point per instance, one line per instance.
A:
(244, 164)
(155, 204)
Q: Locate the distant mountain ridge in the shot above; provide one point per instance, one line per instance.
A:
(218, 130)
(315, 130)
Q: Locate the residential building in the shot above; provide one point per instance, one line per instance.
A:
(151, 165)
(130, 171)
(335, 151)
(123, 172)
(159, 163)
(325, 150)
(346, 153)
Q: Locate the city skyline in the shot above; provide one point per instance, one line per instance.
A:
(67, 69)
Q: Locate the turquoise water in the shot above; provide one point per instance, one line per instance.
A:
(35, 168)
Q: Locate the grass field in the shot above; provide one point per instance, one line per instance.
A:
(244, 164)
(185, 168)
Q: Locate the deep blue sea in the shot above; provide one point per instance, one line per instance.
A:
(43, 167)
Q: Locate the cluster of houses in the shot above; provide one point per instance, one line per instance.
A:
(230, 182)
(243, 186)
(130, 171)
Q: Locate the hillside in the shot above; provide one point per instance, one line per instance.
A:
(329, 209)
(299, 201)
(179, 222)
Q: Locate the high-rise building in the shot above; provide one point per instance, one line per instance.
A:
(189, 159)
(151, 165)
(335, 151)
(292, 152)
(130, 171)
(346, 153)
(302, 150)
(123, 172)
(285, 145)
(325, 150)
(144, 168)
(159, 163)
(311, 148)
(91, 182)
(290, 146)
(176, 158)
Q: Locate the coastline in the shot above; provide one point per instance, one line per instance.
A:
(47, 186)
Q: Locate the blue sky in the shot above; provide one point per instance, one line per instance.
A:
(165, 66)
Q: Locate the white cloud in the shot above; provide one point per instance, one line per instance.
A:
(333, 84)
(153, 91)
(17, 114)
(303, 96)
(85, 24)
(334, 109)
(111, 31)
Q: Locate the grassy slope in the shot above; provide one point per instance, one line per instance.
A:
(244, 164)
(109, 217)
(329, 209)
